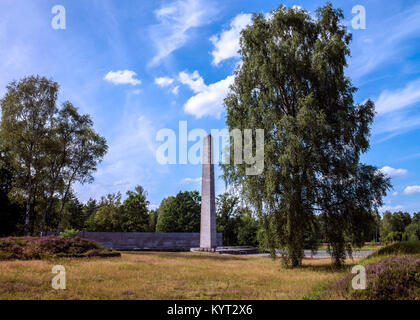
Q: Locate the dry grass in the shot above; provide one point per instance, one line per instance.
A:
(165, 276)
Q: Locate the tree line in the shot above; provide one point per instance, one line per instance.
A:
(237, 222)
(399, 226)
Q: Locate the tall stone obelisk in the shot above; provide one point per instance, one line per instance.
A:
(208, 238)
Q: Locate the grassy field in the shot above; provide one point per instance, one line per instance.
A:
(147, 275)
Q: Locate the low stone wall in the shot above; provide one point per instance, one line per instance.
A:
(147, 240)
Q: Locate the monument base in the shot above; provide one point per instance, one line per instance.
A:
(228, 250)
(213, 250)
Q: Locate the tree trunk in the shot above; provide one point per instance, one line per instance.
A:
(44, 215)
(28, 208)
(27, 215)
(63, 202)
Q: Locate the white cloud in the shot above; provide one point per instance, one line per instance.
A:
(394, 124)
(391, 172)
(193, 80)
(390, 101)
(175, 90)
(208, 100)
(395, 116)
(175, 21)
(189, 180)
(121, 183)
(153, 207)
(164, 81)
(391, 208)
(227, 43)
(410, 190)
(122, 77)
(395, 193)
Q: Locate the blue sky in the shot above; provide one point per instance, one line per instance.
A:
(140, 66)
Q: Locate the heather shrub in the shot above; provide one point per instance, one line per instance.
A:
(20, 242)
(32, 248)
(395, 278)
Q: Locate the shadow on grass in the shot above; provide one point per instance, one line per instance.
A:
(328, 267)
(190, 255)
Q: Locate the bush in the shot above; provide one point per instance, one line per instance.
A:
(412, 232)
(69, 233)
(393, 237)
(399, 248)
(395, 278)
(32, 248)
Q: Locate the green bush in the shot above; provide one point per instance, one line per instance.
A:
(399, 248)
(412, 232)
(69, 233)
(393, 237)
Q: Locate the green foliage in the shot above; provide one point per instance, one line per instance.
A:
(395, 224)
(393, 237)
(86, 148)
(73, 215)
(89, 211)
(412, 232)
(113, 215)
(153, 219)
(136, 212)
(180, 213)
(69, 233)
(226, 206)
(248, 229)
(28, 109)
(109, 217)
(399, 248)
(12, 214)
(292, 84)
(236, 223)
(400, 220)
(386, 224)
(50, 147)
